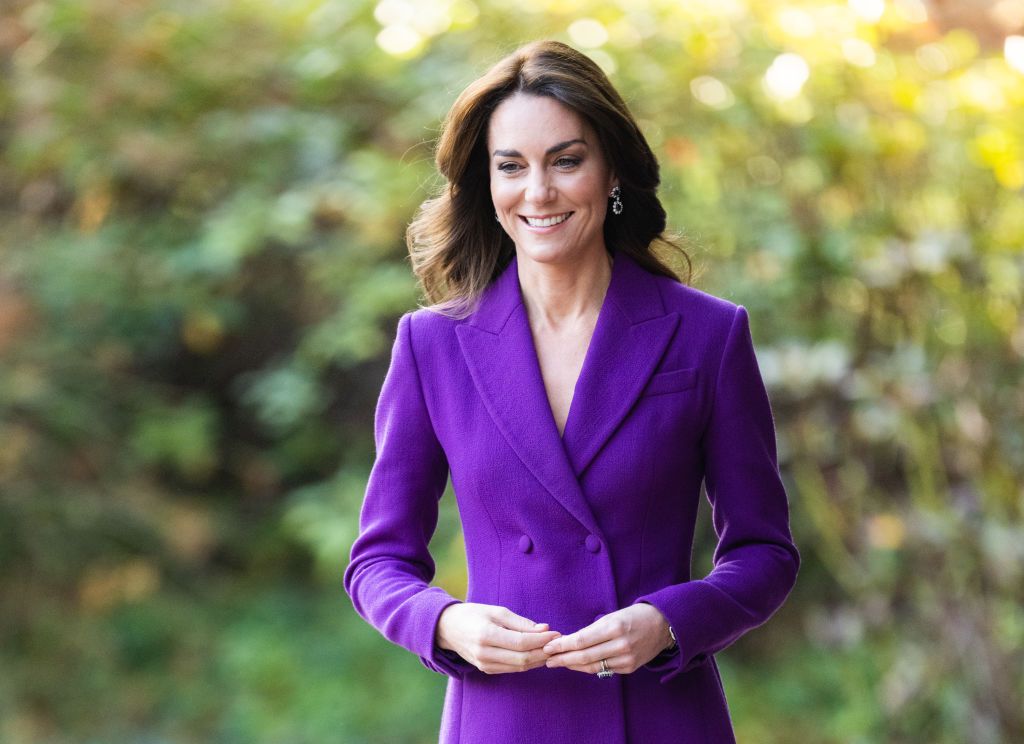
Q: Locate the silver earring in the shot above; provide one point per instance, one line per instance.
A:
(496, 218)
(616, 196)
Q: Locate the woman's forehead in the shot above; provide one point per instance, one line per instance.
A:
(530, 119)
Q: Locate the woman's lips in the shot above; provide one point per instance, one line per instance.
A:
(546, 228)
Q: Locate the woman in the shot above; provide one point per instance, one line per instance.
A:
(578, 394)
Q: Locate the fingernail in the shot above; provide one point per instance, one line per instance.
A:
(539, 625)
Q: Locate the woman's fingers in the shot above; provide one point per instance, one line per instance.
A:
(507, 650)
(618, 664)
(519, 641)
(499, 660)
(585, 638)
(515, 650)
(625, 639)
(591, 655)
(508, 619)
(493, 638)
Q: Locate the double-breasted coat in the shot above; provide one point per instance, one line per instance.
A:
(565, 529)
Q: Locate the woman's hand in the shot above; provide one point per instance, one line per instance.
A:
(626, 639)
(493, 639)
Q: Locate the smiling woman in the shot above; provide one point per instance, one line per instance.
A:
(550, 198)
(579, 395)
(455, 244)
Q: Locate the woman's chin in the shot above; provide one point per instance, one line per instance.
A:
(550, 252)
(541, 252)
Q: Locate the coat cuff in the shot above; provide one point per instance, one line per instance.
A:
(664, 662)
(438, 659)
(684, 656)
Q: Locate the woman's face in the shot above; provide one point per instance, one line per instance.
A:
(549, 179)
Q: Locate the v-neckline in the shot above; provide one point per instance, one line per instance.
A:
(601, 313)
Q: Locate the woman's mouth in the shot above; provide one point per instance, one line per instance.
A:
(545, 222)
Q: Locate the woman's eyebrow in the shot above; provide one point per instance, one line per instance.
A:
(553, 149)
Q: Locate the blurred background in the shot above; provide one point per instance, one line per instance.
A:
(202, 208)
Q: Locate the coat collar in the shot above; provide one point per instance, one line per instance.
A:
(632, 333)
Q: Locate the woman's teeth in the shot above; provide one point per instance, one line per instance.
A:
(547, 221)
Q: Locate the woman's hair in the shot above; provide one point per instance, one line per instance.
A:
(455, 244)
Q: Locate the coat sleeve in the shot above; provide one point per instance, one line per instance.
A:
(755, 561)
(390, 566)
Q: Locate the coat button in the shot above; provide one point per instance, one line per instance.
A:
(593, 544)
(525, 543)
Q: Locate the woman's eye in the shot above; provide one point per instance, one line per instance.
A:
(567, 162)
(508, 167)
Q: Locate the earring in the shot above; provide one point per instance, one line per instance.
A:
(616, 200)
(496, 219)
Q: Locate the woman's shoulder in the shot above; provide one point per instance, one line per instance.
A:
(430, 333)
(710, 321)
(428, 323)
(696, 305)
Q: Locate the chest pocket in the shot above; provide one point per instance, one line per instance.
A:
(673, 381)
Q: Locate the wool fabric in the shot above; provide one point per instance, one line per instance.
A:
(566, 529)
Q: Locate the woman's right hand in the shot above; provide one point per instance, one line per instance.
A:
(493, 639)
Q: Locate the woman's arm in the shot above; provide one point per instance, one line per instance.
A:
(390, 569)
(756, 561)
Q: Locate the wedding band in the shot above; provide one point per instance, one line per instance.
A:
(605, 671)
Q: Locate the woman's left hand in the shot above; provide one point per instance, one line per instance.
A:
(626, 639)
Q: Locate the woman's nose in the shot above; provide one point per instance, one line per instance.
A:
(538, 190)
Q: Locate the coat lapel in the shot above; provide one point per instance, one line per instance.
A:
(631, 334)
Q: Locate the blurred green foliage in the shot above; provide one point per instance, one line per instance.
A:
(201, 263)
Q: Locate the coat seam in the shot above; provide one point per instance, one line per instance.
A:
(423, 396)
(430, 417)
(718, 375)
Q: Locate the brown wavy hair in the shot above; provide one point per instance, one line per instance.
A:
(457, 247)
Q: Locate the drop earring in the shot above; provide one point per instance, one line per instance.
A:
(616, 196)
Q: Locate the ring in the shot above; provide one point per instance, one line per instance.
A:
(605, 671)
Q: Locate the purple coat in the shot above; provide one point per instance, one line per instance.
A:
(566, 529)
